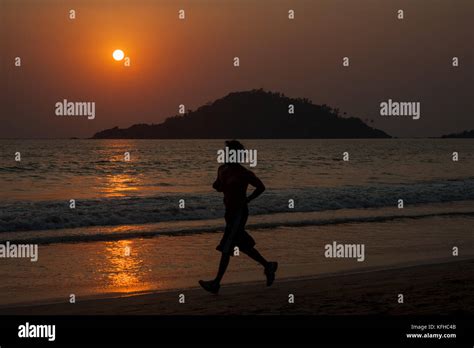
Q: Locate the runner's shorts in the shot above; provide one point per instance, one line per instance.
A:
(235, 234)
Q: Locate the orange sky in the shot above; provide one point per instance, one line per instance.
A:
(190, 62)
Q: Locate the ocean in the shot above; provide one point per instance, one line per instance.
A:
(36, 192)
(133, 207)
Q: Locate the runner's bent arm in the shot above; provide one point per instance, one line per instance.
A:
(217, 184)
(258, 184)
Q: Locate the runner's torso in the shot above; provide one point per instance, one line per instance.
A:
(233, 182)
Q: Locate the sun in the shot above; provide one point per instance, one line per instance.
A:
(118, 55)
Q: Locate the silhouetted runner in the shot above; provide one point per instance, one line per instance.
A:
(233, 180)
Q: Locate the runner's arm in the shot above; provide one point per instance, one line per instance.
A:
(258, 184)
(217, 185)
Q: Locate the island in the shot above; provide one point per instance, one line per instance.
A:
(254, 114)
(465, 134)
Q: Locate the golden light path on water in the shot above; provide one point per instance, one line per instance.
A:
(119, 185)
(123, 268)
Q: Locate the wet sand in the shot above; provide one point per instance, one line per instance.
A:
(439, 289)
(102, 269)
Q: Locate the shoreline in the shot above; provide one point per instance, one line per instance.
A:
(313, 295)
(85, 234)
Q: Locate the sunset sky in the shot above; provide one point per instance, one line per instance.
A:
(190, 61)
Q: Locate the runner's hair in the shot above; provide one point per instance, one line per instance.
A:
(234, 145)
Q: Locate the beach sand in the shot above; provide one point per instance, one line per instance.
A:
(100, 270)
(438, 289)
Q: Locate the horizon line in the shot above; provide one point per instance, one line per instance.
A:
(90, 138)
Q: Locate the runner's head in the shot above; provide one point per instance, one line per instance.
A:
(234, 145)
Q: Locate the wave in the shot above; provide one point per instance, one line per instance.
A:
(203, 226)
(14, 169)
(51, 215)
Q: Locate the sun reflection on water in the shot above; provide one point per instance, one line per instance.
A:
(124, 269)
(119, 185)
